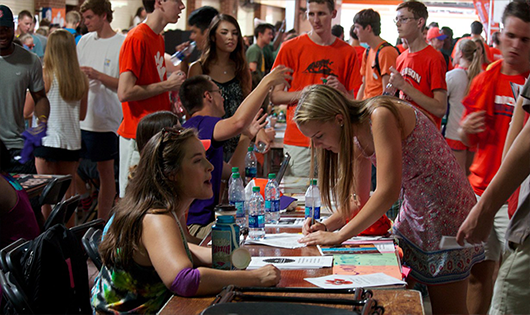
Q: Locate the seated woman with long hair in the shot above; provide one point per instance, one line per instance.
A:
(414, 162)
(145, 254)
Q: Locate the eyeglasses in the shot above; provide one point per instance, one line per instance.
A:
(401, 20)
(218, 91)
(166, 130)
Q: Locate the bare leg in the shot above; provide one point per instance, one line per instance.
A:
(45, 167)
(461, 156)
(449, 298)
(469, 160)
(68, 168)
(107, 189)
(480, 288)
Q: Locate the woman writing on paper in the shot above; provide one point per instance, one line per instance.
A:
(413, 160)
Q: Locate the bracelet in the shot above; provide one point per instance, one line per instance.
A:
(42, 118)
(325, 227)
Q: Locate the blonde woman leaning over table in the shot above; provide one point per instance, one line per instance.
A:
(413, 160)
(145, 254)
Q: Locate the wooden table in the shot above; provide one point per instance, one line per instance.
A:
(395, 301)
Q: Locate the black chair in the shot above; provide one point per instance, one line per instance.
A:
(62, 212)
(55, 190)
(14, 294)
(14, 259)
(80, 230)
(4, 251)
(91, 241)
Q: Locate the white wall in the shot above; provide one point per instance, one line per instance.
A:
(124, 11)
(16, 5)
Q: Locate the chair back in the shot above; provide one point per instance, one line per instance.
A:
(17, 301)
(55, 190)
(91, 241)
(4, 251)
(62, 212)
(14, 258)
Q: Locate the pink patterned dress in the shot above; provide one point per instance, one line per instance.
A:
(436, 198)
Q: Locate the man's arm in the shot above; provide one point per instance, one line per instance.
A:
(42, 105)
(106, 80)
(436, 105)
(514, 169)
(360, 94)
(232, 126)
(253, 66)
(280, 97)
(128, 90)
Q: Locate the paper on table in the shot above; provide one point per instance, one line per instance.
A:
(282, 240)
(292, 262)
(449, 242)
(291, 222)
(346, 281)
(385, 259)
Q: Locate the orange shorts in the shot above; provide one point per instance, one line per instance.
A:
(459, 146)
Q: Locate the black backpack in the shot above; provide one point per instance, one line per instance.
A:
(55, 273)
(376, 61)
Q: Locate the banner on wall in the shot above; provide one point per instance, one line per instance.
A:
(58, 15)
(483, 12)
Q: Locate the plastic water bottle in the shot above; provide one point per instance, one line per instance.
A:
(272, 200)
(256, 215)
(281, 117)
(177, 57)
(234, 170)
(389, 90)
(312, 201)
(236, 197)
(251, 164)
(260, 147)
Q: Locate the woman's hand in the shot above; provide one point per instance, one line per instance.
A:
(267, 276)
(476, 227)
(279, 75)
(321, 238)
(310, 228)
(256, 125)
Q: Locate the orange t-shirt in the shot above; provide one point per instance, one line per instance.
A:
(360, 50)
(489, 150)
(425, 71)
(373, 82)
(142, 53)
(496, 54)
(311, 63)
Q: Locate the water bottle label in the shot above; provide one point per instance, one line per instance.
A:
(253, 222)
(240, 209)
(251, 172)
(308, 212)
(261, 221)
(274, 206)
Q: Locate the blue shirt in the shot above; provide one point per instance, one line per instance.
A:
(202, 211)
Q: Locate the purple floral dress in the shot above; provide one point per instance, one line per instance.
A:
(436, 198)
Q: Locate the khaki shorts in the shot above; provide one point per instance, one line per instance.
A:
(129, 156)
(200, 231)
(496, 243)
(300, 162)
(512, 289)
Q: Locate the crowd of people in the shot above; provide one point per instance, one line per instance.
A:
(437, 123)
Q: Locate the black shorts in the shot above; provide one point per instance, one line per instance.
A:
(99, 146)
(56, 154)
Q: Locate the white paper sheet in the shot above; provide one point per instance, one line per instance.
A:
(449, 242)
(292, 262)
(282, 240)
(347, 281)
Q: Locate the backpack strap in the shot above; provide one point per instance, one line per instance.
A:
(376, 61)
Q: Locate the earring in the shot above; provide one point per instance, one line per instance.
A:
(341, 125)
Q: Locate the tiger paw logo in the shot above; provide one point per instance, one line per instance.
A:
(321, 66)
(159, 60)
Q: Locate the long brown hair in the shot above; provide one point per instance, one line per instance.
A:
(149, 189)
(209, 54)
(60, 61)
(469, 51)
(336, 170)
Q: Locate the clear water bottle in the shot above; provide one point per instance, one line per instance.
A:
(177, 57)
(260, 147)
(281, 117)
(251, 165)
(389, 90)
(272, 200)
(234, 170)
(256, 215)
(312, 201)
(236, 197)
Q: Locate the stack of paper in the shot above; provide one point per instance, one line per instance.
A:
(345, 281)
(292, 262)
(281, 240)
